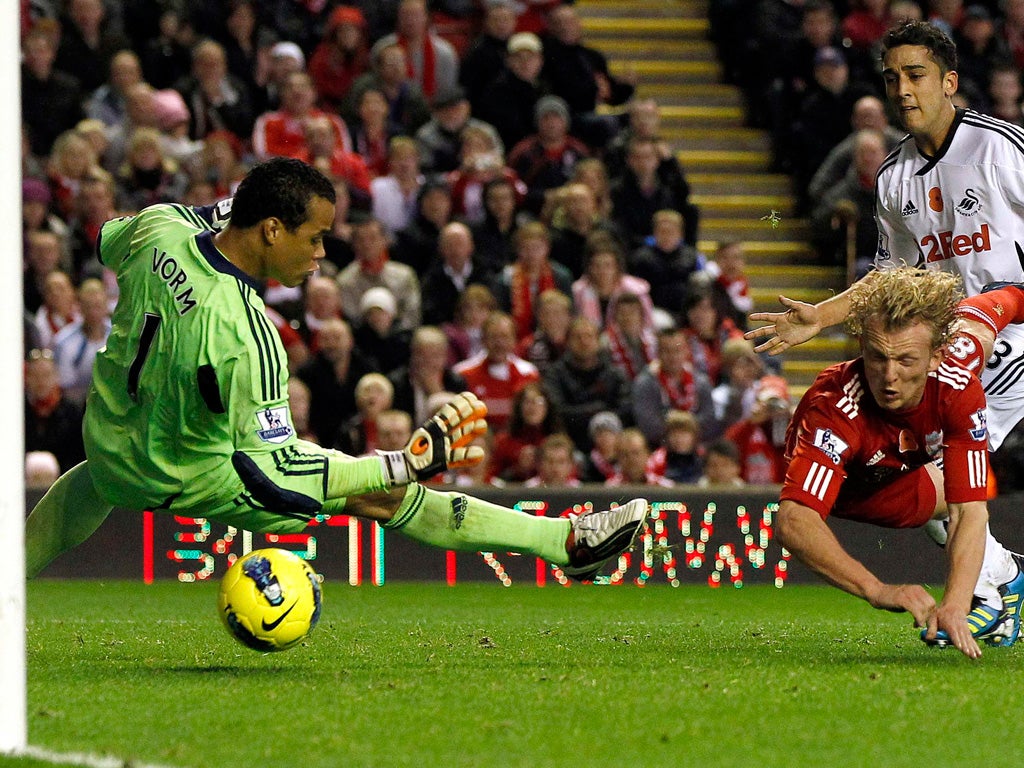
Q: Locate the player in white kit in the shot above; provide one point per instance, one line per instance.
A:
(949, 197)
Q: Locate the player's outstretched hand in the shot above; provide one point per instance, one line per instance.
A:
(954, 623)
(798, 323)
(912, 598)
(443, 442)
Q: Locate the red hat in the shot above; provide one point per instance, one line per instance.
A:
(345, 14)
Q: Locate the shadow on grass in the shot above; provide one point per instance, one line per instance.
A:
(224, 669)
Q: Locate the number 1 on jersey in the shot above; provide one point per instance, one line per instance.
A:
(146, 339)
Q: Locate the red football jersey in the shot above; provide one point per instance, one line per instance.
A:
(497, 384)
(841, 440)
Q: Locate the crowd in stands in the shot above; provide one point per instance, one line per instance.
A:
(509, 221)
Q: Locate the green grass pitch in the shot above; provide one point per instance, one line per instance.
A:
(476, 675)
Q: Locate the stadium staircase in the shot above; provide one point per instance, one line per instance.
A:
(728, 164)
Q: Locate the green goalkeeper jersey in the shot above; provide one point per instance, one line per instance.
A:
(191, 389)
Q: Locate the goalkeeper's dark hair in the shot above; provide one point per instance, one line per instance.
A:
(938, 43)
(281, 188)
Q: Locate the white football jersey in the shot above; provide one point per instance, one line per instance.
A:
(962, 211)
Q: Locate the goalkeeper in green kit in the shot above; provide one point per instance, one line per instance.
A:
(188, 411)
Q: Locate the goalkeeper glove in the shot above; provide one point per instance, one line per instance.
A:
(442, 443)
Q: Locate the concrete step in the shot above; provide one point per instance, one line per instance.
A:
(766, 252)
(709, 117)
(678, 73)
(645, 8)
(754, 183)
(744, 205)
(674, 27)
(767, 299)
(781, 277)
(691, 94)
(720, 137)
(724, 160)
(695, 116)
(753, 228)
(616, 48)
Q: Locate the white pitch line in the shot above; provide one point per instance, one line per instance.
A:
(82, 758)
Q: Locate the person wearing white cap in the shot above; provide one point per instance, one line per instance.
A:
(288, 50)
(385, 346)
(382, 299)
(283, 58)
(508, 102)
(41, 470)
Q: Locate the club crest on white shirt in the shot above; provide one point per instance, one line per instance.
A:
(883, 253)
(970, 203)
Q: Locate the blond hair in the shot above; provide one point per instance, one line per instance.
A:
(904, 296)
(371, 380)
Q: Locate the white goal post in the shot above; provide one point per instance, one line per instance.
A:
(13, 707)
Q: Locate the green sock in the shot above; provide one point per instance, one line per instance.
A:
(66, 516)
(453, 520)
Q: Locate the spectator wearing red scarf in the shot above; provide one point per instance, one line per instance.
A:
(532, 273)
(671, 382)
(431, 61)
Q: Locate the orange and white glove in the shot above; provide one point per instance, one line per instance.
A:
(442, 443)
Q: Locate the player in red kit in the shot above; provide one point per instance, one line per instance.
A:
(950, 197)
(863, 445)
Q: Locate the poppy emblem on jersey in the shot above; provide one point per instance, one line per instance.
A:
(907, 441)
(935, 199)
(969, 205)
(274, 426)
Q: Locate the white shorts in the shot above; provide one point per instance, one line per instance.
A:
(1003, 380)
